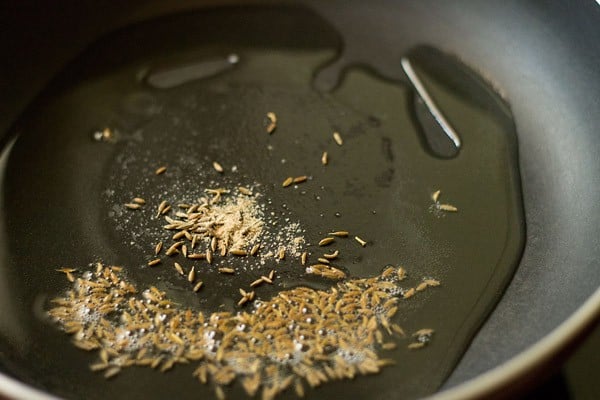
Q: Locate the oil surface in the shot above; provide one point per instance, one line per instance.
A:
(63, 191)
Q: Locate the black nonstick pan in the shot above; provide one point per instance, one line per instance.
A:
(494, 104)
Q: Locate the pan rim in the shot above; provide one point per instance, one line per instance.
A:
(484, 385)
(496, 379)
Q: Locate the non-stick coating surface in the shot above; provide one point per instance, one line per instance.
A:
(545, 60)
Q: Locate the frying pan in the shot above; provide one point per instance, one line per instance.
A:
(542, 60)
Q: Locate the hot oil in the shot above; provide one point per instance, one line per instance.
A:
(177, 99)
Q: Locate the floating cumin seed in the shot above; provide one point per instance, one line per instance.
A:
(300, 179)
(226, 270)
(238, 252)
(255, 249)
(326, 241)
(132, 206)
(360, 241)
(217, 167)
(198, 286)
(324, 158)
(192, 275)
(166, 210)
(161, 207)
(139, 200)
(338, 138)
(339, 233)
(272, 125)
(160, 170)
(245, 191)
(436, 195)
(154, 262)
(287, 182)
(178, 268)
(448, 207)
(158, 248)
(332, 256)
(303, 258)
(256, 282)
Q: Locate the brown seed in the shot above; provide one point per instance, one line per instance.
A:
(448, 207)
(219, 393)
(209, 257)
(70, 276)
(338, 138)
(242, 301)
(154, 262)
(161, 207)
(179, 268)
(192, 275)
(184, 250)
(213, 244)
(323, 260)
(359, 240)
(238, 252)
(300, 179)
(339, 233)
(173, 249)
(160, 170)
(396, 328)
(166, 210)
(266, 279)
(226, 270)
(303, 258)
(197, 256)
(65, 270)
(409, 293)
(272, 274)
(332, 256)
(421, 286)
(326, 241)
(388, 346)
(158, 248)
(178, 235)
(255, 249)
(417, 345)
(198, 286)
(139, 200)
(436, 195)
(287, 182)
(245, 191)
(132, 206)
(424, 331)
(324, 158)
(281, 253)
(432, 282)
(217, 167)
(112, 372)
(401, 273)
(256, 282)
(272, 122)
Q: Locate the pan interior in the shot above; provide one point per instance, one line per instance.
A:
(188, 90)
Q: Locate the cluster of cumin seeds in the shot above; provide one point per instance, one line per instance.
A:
(300, 336)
